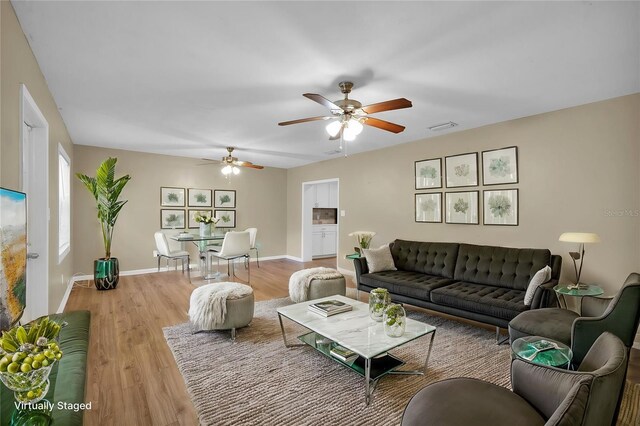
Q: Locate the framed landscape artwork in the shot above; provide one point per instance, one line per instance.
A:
(429, 207)
(462, 207)
(428, 173)
(199, 197)
(224, 199)
(227, 218)
(462, 170)
(192, 215)
(500, 166)
(501, 207)
(172, 218)
(171, 197)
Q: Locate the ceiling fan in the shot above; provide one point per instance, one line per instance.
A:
(231, 163)
(350, 115)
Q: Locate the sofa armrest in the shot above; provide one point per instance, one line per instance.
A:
(545, 297)
(360, 265)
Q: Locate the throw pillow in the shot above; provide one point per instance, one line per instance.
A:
(541, 277)
(379, 259)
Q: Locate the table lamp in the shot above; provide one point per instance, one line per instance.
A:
(582, 238)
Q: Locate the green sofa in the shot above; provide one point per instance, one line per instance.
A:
(67, 379)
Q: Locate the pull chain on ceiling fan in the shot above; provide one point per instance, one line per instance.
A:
(350, 115)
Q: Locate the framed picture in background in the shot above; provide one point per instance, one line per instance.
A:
(428, 173)
(171, 197)
(429, 207)
(224, 199)
(462, 170)
(172, 219)
(199, 197)
(192, 217)
(500, 166)
(501, 207)
(462, 207)
(227, 218)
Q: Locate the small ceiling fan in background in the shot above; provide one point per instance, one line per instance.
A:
(230, 163)
(349, 115)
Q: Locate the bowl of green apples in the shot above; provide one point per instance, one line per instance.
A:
(27, 355)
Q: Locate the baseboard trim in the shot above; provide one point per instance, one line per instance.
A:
(295, 259)
(345, 271)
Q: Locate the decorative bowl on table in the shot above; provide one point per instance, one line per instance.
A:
(27, 355)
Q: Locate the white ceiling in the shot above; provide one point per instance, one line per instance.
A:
(188, 78)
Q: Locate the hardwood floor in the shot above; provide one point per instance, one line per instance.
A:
(132, 378)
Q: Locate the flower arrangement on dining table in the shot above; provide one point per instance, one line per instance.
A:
(364, 239)
(205, 218)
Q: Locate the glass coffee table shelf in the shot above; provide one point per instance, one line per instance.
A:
(380, 365)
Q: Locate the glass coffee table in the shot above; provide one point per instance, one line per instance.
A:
(356, 331)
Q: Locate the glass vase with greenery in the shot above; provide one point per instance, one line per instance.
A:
(378, 300)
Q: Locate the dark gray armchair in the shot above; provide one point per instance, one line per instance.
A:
(619, 316)
(541, 395)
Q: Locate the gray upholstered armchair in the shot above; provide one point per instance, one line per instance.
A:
(541, 395)
(619, 316)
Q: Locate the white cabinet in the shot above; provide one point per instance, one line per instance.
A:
(324, 241)
(325, 195)
(333, 195)
(322, 195)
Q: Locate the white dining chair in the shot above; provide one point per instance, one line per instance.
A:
(163, 250)
(252, 241)
(235, 245)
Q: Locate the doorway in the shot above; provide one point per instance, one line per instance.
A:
(320, 219)
(34, 179)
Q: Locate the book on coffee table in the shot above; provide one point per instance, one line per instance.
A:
(343, 354)
(330, 307)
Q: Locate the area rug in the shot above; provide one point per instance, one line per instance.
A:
(257, 381)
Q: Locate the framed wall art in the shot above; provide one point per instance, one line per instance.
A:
(462, 207)
(428, 173)
(429, 207)
(171, 197)
(199, 197)
(500, 166)
(172, 218)
(225, 199)
(192, 217)
(501, 207)
(227, 218)
(462, 170)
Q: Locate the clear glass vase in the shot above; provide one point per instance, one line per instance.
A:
(30, 387)
(378, 300)
(395, 320)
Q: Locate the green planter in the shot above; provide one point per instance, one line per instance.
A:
(106, 273)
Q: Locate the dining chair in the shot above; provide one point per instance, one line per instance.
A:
(235, 245)
(252, 240)
(163, 250)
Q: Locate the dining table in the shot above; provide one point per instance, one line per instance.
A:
(203, 242)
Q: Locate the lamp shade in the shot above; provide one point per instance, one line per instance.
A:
(579, 237)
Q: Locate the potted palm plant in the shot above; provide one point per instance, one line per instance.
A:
(106, 190)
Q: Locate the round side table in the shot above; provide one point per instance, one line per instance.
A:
(542, 351)
(563, 291)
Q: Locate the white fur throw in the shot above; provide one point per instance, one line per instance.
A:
(208, 304)
(299, 281)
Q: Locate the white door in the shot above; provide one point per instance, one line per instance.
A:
(35, 183)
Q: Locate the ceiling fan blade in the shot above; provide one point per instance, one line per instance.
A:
(384, 125)
(322, 101)
(303, 120)
(387, 105)
(248, 164)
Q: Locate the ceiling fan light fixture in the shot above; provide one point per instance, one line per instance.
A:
(349, 135)
(236, 170)
(333, 128)
(226, 170)
(355, 126)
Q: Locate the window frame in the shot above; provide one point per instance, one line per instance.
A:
(63, 250)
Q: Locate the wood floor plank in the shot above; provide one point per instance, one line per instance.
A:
(132, 377)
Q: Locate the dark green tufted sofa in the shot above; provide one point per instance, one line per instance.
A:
(67, 379)
(481, 283)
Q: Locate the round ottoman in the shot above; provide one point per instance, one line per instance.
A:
(314, 283)
(221, 306)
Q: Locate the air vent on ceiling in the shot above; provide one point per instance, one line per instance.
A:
(443, 126)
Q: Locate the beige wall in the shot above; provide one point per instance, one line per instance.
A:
(260, 202)
(19, 66)
(574, 166)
